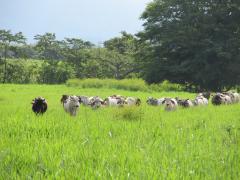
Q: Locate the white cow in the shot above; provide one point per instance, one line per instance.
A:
(84, 100)
(170, 104)
(114, 101)
(95, 102)
(235, 97)
(130, 101)
(70, 104)
(184, 102)
(155, 102)
(222, 98)
(200, 100)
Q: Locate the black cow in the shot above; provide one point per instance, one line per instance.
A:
(39, 105)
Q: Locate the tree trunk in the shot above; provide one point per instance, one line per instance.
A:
(117, 72)
(5, 65)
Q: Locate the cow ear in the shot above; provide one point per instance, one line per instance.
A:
(172, 101)
(164, 101)
(138, 101)
(79, 100)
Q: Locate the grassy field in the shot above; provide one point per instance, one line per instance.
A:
(115, 143)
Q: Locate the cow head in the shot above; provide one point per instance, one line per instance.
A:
(64, 98)
(170, 104)
(39, 105)
(74, 101)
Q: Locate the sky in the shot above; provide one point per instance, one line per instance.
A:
(90, 20)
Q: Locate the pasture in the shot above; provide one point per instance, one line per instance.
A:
(115, 143)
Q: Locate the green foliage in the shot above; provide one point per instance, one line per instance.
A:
(82, 58)
(25, 52)
(194, 43)
(36, 71)
(120, 55)
(126, 44)
(166, 86)
(8, 40)
(48, 46)
(126, 84)
(21, 71)
(131, 113)
(76, 52)
(55, 72)
(17, 73)
(195, 143)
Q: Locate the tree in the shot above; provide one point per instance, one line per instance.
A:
(193, 42)
(55, 72)
(118, 55)
(24, 52)
(7, 39)
(76, 52)
(18, 72)
(48, 46)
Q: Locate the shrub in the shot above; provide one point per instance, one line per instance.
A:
(34, 71)
(125, 84)
(17, 72)
(131, 113)
(166, 86)
(55, 72)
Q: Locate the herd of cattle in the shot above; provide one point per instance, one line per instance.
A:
(72, 103)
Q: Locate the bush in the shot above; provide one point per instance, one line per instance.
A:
(17, 73)
(33, 71)
(131, 113)
(166, 86)
(125, 84)
(20, 71)
(55, 72)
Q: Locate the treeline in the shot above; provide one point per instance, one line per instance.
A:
(21, 71)
(68, 58)
(193, 43)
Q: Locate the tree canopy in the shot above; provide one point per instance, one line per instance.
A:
(7, 40)
(193, 42)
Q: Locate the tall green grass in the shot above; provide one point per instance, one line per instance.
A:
(125, 84)
(115, 143)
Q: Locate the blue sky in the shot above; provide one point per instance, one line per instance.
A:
(93, 20)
